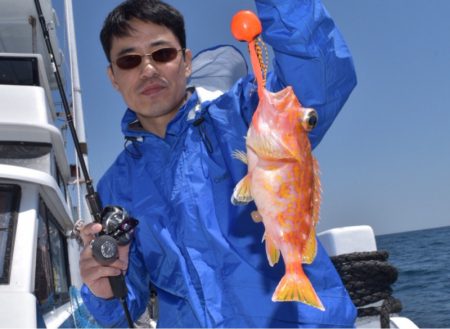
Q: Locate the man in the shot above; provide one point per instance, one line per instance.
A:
(203, 255)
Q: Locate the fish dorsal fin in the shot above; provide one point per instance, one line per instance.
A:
(310, 249)
(317, 192)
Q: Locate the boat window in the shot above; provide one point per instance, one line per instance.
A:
(22, 71)
(32, 155)
(28, 155)
(60, 181)
(24, 150)
(52, 275)
(44, 275)
(59, 259)
(9, 206)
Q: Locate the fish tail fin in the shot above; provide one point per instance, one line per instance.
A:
(310, 250)
(242, 192)
(295, 286)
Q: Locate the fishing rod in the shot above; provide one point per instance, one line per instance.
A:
(91, 197)
(117, 225)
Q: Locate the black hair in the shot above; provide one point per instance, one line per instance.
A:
(158, 12)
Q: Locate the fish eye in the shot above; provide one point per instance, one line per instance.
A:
(310, 119)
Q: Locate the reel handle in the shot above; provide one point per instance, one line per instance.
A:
(118, 286)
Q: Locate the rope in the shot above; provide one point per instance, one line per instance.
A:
(368, 278)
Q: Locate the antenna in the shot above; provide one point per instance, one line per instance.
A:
(77, 105)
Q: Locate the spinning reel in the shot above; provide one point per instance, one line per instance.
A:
(117, 231)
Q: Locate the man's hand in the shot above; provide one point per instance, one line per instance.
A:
(94, 275)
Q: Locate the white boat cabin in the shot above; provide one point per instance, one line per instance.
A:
(38, 260)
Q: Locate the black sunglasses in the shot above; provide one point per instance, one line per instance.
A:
(163, 55)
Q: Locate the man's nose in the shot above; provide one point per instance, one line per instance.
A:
(148, 68)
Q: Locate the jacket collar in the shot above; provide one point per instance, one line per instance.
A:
(131, 127)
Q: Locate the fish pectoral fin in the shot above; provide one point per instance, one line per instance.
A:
(273, 253)
(240, 155)
(242, 192)
(268, 148)
(310, 250)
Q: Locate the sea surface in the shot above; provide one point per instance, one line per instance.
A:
(423, 285)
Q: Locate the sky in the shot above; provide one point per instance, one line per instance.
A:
(385, 161)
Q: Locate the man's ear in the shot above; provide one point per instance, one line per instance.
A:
(188, 62)
(112, 78)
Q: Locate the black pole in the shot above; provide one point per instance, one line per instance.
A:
(91, 197)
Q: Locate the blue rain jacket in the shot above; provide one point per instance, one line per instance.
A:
(203, 255)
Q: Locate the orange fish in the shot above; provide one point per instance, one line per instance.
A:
(282, 179)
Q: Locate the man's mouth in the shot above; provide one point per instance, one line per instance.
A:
(152, 89)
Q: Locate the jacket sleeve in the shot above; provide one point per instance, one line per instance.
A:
(109, 312)
(310, 55)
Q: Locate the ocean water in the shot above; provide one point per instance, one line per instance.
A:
(423, 285)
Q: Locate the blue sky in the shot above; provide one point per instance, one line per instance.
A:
(385, 161)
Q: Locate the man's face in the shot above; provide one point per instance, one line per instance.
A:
(153, 90)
